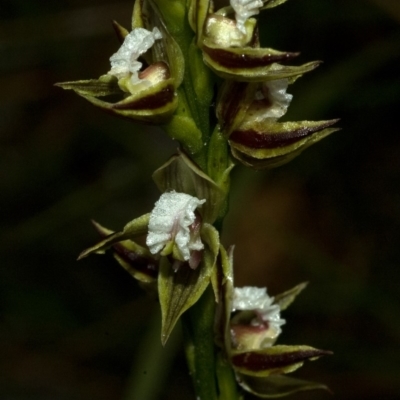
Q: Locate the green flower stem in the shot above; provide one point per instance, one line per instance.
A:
(212, 375)
(226, 380)
(198, 333)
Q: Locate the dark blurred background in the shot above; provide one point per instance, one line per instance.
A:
(85, 330)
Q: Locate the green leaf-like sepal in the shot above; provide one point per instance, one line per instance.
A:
(285, 299)
(276, 386)
(135, 259)
(268, 144)
(183, 176)
(134, 228)
(274, 360)
(106, 85)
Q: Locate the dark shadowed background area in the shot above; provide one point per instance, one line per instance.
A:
(85, 330)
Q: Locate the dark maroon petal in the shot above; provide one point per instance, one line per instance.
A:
(231, 59)
(256, 140)
(254, 361)
(151, 102)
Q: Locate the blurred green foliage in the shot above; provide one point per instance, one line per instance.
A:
(84, 330)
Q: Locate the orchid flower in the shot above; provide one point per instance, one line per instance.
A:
(125, 64)
(146, 94)
(248, 325)
(173, 221)
(258, 325)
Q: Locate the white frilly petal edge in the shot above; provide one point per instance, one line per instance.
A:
(124, 62)
(170, 219)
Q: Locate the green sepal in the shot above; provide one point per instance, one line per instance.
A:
(183, 176)
(268, 144)
(285, 299)
(179, 290)
(276, 386)
(249, 64)
(198, 13)
(106, 85)
(274, 360)
(136, 227)
(135, 259)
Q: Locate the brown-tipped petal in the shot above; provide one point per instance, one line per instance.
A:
(276, 386)
(274, 360)
(120, 31)
(269, 144)
(245, 57)
(277, 135)
(250, 64)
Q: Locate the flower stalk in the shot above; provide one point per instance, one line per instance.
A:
(202, 75)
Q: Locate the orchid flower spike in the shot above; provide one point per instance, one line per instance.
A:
(244, 9)
(173, 221)
(124, 62)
